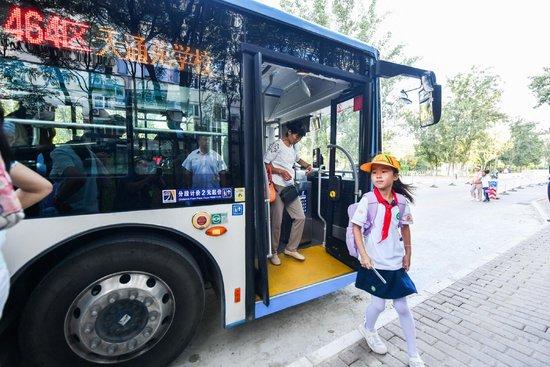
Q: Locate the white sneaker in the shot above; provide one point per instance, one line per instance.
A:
(275, 260)
(374, 341)
(295, 254)
(416, 361)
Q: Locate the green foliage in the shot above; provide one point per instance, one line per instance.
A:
(487, 151)
(430, 146)
(526, 147)
(472, 108)
(546, 152)
(540, 86)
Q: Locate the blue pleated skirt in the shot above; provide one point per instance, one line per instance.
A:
(398, 283)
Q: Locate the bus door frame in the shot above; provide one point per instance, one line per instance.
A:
(257, 241)
(335, 246)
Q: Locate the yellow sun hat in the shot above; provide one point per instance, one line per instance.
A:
(383, 159)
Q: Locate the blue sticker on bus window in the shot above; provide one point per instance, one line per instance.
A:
(204, 194)
(238, 209)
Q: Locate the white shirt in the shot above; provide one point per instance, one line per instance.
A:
(485, 180)
(388, 254)
(282, 156)
(205, 168)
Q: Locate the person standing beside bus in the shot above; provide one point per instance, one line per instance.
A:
(31, 189)
(280, 158)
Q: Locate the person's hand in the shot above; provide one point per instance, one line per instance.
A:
(286, 176)
(407, 262)
(309, 170)
(366, 262)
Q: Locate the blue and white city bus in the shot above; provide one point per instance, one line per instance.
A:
(151, 118)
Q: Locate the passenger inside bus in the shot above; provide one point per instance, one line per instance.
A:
(17, 134)
(204, 168)
(74, 172)
(135, 191)
(280, 158)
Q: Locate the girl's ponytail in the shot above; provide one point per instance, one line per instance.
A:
(404, 189)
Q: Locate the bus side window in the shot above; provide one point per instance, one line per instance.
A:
(80, 145)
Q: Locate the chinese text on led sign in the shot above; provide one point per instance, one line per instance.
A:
(32, 26)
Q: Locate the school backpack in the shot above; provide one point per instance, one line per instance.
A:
(372, 208)
(11, 211)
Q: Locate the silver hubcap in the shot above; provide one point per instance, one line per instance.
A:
(119, 317)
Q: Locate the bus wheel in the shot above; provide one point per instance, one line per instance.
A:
(124, 302)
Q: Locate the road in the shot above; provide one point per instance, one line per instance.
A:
(452, 235)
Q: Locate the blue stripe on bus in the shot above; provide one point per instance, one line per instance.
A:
(286, 300)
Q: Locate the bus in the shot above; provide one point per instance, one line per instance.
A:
(151, 119)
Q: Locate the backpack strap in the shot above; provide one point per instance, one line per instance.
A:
(372, 208)
(402, 204)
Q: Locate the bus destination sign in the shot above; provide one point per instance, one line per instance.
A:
(40, 29)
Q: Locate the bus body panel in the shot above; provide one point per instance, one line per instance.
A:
(228, 250)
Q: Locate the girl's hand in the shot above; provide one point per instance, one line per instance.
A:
(366, 262)
(407, 262)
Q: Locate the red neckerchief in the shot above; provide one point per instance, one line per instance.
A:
(387, 213)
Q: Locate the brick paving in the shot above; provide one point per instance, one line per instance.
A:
(498, 315)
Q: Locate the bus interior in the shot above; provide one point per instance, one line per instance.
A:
(292, 95)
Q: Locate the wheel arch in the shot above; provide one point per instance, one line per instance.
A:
(25, 280)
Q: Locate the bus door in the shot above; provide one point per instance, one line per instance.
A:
(342, 187)
(279, 90)
(257, 209)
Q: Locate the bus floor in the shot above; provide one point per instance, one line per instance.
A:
(294, 274)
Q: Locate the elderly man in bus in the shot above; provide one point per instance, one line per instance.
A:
(204, 168)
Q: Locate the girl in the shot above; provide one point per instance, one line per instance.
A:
(383, 249)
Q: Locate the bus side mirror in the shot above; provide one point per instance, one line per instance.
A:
(429, 98)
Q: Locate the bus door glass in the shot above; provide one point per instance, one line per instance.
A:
(342, 189)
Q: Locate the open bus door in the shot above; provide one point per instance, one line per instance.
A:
(257, 210)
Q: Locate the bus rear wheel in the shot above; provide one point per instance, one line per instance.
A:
(123, 302)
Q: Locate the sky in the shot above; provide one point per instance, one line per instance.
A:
(508, 37)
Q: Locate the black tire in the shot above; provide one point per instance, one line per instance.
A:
(41, 330)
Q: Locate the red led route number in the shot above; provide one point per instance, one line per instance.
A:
(30, 25)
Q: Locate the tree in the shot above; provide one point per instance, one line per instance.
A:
(487, 150)
(472, 109)
(526, 147)
(540, 86)
(431, 146)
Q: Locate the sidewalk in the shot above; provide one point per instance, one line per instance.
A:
(497, 315)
